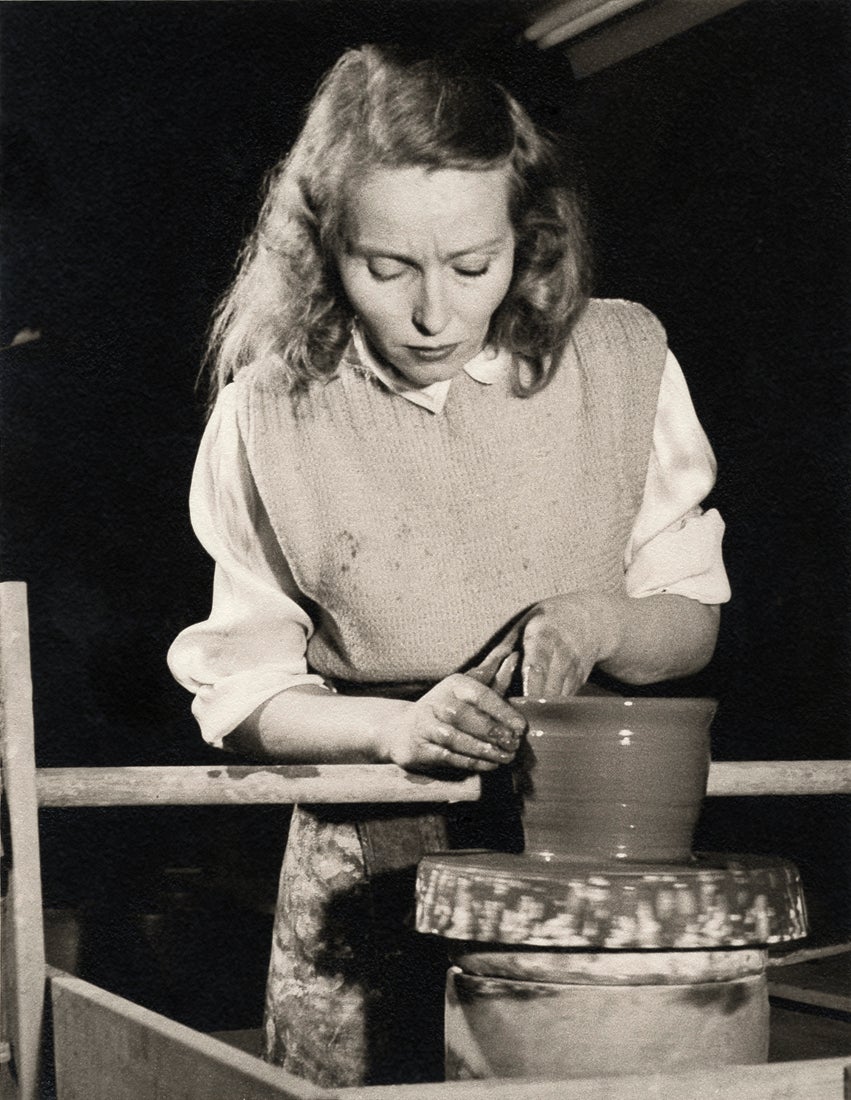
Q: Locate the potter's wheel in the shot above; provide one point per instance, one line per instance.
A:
(716, 900)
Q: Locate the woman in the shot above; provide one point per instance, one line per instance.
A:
(438, 460)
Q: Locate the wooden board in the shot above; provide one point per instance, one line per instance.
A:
(107, 1048)
(798, 1036)
(820, 983)
(821, 1079)
(22, 934)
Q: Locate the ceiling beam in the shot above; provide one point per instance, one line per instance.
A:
(600, 33)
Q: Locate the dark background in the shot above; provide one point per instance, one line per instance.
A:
(135, 137)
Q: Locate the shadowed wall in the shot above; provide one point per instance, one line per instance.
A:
(135, 137)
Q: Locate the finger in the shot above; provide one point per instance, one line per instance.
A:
(487, 669)
(538, 653)
(467, 744)
(534, 679)
(468, 719)
(536, 663)
(561, 673)
(440, 756)
(468, 690)
(578, 676)
(569, 669)
(502, 679)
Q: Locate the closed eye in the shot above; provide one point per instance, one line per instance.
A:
(384, 269)
(472, 272)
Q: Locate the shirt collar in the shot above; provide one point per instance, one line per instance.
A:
(486, 367)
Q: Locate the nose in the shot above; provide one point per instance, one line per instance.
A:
(431, 308)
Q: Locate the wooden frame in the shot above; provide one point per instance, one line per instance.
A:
(107, 1048)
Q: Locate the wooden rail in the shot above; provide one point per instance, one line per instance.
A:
(244, 785)
(780, 777)
(364, 783)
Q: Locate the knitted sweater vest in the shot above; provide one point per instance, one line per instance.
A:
(415, 537)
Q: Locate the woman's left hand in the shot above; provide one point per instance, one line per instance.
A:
(638, 641)
(561, 639)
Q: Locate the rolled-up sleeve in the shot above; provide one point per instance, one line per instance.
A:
(674, 546)
(253, 645)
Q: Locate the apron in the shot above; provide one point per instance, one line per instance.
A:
(354, 994)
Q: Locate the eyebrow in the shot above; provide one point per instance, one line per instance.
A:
(389, 254)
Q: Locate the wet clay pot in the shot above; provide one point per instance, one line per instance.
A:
(605, 778)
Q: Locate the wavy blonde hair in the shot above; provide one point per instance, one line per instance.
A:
(375, 110)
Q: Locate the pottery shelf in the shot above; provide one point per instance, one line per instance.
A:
(104, 1047)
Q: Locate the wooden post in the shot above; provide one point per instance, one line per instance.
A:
(22, 941)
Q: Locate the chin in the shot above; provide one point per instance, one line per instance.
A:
(423, 373)
(418, 376)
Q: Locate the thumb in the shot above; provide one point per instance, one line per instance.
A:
(497, 668)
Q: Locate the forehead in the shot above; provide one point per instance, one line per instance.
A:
(397, 207)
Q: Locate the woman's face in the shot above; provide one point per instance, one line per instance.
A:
(426, 259)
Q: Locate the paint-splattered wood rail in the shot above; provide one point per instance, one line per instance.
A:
(246, 784)
(366, 783)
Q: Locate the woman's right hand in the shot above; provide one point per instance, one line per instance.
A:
(461, 723)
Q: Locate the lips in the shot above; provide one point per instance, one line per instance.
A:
(431, 355)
